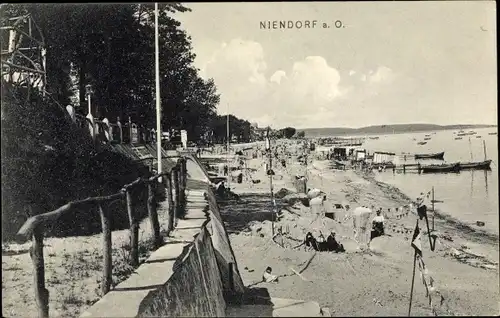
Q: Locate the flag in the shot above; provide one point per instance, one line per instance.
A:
(422, 211)
(429, 284)
(416, 242)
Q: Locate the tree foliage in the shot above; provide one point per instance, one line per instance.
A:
(46, 160)
(111, 47)
(287, 132)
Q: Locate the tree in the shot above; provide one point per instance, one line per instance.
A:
(287, 132)
(301, 134)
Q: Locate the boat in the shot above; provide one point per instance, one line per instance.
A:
(458, 138)
(480, 165)
(450, 167)
(374, 138)
(492, 133)
(427, 138)
(478, 136)
(438, 156)
(421, 142)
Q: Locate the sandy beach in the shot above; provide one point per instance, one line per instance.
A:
(374, 282)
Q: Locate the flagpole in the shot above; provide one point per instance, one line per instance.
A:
(433, 211)
(158, 101)
(269, 171)
(412, 281)
(227, 141)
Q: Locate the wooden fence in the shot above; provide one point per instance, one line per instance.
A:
(175, 184)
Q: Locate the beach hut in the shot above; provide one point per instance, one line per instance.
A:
(339, 152)
(360, 154)
(383, 157)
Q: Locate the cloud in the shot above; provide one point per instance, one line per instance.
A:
(383, 74)
(277, 76)
(308, 93)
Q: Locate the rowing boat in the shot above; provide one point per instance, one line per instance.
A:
(438, 156)
(454, 167)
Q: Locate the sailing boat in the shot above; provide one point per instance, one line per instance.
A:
(478, 165)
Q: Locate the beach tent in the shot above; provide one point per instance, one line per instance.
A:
(361, 218)
(316, 205)
(312, 193)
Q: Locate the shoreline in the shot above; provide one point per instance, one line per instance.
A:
(381, 275)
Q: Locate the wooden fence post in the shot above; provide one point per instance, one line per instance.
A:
(170, 197)
(120, 129)
(134, 231)
(41, 293)
(182, 183)
(177, 209)
(106, 251)
(153, 214)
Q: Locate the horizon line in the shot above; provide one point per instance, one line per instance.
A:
(382, 126)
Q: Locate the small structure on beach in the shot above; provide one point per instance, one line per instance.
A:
(360, 154)
(361, 222)
(383, 157)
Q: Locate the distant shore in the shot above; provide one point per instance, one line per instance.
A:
(385, 130)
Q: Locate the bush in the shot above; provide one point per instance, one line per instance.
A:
(48, 161)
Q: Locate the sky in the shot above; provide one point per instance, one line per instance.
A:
(376, 63)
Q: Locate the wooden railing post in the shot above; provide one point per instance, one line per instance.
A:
(170, 197)
(41, 293)
(134, 231)
(175, 179)
(184, 174)
(106, 251)
(153, 214)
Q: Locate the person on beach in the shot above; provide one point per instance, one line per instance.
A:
(333, 245)
(220, 189)
(268, 277)
(377, 225)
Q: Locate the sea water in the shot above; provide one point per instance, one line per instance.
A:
(469, 196)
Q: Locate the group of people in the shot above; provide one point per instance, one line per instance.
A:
(322, 245)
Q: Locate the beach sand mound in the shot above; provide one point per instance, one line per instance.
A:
(283, 192)
(386, 245)
(294, 222)
(296, 200)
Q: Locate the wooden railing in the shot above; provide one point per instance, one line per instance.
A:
(103, 130)
(175, 185)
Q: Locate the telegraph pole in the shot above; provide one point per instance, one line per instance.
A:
(158, 101)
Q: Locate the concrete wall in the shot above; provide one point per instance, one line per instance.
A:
(194, 289)
(190, 275)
